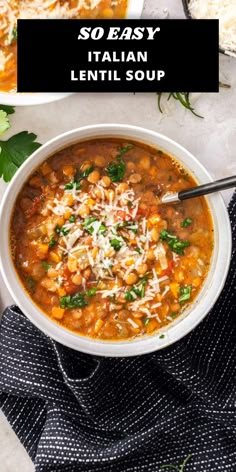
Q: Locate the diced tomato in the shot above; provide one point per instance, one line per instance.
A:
(123, 215)
(70, 287)
(35, 205)
(143, 212)
(169, 269)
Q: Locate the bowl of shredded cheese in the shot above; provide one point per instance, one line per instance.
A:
(224, 11)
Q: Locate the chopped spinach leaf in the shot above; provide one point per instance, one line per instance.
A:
(86, 172)
(52, 242)
(186, 222)
(138, 290)
(173, 242)
(88, 225)
(73, 301)
(46, 266)
(116, 244)
(91, 292)
(125, 149)
(185, 293)
(74, 184)
(31, 284)
(61, 230)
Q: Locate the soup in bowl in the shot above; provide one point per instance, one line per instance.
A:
(104, 266)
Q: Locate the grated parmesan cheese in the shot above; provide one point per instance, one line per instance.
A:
(225, 11)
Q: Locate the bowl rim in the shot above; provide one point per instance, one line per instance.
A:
(30, 99)
(142, 345)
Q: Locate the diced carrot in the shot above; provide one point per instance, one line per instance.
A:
(129, 262)
(67, 214)
(90, 202)
(197, 281)
(174, 287)
(154, 219)
(41, 250)
(54, 256)
(61, 292)
(69, 171)
(98, 325)
(153, 324)
(58, 312)
(69, 199)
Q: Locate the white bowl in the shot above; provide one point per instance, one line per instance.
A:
(196, 311)
(134, 11)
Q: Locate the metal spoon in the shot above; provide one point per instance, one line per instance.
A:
(222, 184)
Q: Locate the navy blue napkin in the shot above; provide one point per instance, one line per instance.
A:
(79, 413)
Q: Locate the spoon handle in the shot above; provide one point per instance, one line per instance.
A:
(211, 187)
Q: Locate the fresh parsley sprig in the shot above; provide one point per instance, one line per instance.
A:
(115, 171)
(15, 150)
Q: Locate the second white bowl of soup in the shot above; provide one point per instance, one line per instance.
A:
(102, 266)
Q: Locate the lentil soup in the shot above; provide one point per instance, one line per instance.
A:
(96, 250)
(11, 10)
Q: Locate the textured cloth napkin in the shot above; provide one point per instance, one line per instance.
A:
(74, 412)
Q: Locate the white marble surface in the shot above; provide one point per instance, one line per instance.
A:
(212, 140)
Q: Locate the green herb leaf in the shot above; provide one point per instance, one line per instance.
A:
(4, 122)
(173, 242)
(31, 284)
(46, 266)
(88, 225)
(116, 244)
(74, 184)
(9, 110)
(173, 315)
(73, 301)
(138, 290)
(186, 222)
(61, 230)
(15, 151)
(91, 292)
(146, 321)
(52, 242)
(162, 336)
(115, 171)
(86, 172)
(125, 149)
(71, 219)
(185, 293)
(14, 35)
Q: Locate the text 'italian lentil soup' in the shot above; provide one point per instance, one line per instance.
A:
(95, 249)
(11, 10)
